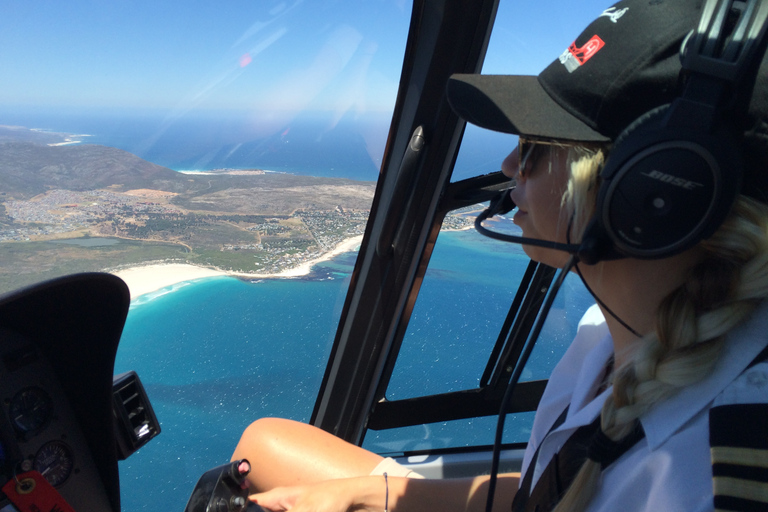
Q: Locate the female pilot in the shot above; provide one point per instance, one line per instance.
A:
(661, 401)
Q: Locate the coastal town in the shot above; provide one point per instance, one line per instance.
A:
(74, 208)
(110, 230)
(276, 243)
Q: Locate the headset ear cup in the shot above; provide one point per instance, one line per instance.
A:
(597, 243)
(664, 189)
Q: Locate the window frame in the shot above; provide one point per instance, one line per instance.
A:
(445, 37)
(413, 196)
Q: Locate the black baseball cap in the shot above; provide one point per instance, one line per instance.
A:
(624, 64)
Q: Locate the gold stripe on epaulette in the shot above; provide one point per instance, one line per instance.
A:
(739, 488)
(740, 456)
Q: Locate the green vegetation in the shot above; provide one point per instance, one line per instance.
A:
(23, 264)
(237, 261)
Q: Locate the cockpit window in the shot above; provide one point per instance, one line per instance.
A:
(222, 159)
(462, 304)
(448, 347)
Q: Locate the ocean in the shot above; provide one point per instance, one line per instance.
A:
(312, 145)
(217, 353)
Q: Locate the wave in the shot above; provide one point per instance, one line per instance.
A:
(153, 296)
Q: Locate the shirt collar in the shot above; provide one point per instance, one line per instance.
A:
(742, 345)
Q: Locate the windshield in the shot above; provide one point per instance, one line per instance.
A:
(221, 159)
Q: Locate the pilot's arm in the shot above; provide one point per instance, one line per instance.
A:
(397, 494)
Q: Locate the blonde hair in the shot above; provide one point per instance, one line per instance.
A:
(581, 193)
(721, 291)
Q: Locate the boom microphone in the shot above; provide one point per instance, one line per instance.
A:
(502, 204)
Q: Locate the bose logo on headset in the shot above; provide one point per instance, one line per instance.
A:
(672, 180)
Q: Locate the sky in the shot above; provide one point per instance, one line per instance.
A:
(241, 54)
(260, 63)
(529, 34)
(190, 54)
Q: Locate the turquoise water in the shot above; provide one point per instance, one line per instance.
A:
(217, 353)
(214, 355)
(467, 291)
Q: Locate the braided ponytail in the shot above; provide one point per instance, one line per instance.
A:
(722, 290)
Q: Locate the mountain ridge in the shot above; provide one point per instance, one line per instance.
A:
(28, 169)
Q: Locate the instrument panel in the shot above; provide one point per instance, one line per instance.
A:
(39, 430)
(63, 413)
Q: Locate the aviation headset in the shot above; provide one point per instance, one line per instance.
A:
(674, 173)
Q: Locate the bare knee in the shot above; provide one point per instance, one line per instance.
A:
(260, 439)
(286, 452)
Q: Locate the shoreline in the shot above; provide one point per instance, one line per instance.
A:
(144, 279)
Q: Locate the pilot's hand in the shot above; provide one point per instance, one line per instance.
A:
(330, 496)
(278, 499)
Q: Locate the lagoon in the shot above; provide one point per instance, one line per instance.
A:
(88, 242)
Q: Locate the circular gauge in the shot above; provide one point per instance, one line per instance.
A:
(55, 461)
(30, 410)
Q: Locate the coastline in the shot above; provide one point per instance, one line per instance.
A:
(143, 279)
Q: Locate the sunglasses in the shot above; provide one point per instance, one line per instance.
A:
(529, 151)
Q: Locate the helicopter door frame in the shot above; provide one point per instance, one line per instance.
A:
(413, 196)
(445, 37)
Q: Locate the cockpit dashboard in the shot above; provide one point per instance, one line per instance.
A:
(63, 414)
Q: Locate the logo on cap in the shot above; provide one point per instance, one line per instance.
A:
(614, 14)
(574, 57)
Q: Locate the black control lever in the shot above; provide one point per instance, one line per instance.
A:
(221, 489)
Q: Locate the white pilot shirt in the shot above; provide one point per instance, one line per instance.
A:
(669, 469)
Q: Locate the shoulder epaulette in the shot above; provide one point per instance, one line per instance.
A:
(738, 438)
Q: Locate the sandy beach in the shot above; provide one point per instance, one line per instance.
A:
(149, 278)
